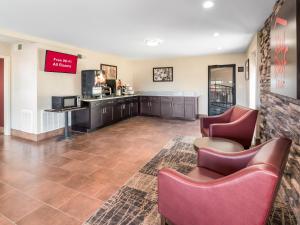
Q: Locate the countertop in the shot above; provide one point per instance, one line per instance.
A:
(147, 93)
(107, 98)
(169, 93)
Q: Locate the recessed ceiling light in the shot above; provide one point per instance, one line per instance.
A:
(216, 34)
(208, 4)
(153, 42)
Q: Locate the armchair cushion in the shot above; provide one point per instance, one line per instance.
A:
(241, 194)
(225, 163)
(237, 124)
(203, 175)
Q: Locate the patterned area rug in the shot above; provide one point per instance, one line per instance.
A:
(136, 202)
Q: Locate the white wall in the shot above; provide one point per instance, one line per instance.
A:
(5, 49)
(190, 74)
(24, 88)
(254, 80)
(5, 52)
(51, 84)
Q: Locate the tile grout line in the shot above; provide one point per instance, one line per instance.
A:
(42, 206)
(7, 218)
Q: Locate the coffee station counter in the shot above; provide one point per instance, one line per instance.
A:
(105, 111)
(169, 93)
(111, 97)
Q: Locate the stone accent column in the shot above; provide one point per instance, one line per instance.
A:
(280, 116)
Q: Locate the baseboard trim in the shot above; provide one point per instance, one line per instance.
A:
(37, 137)
(200, 115)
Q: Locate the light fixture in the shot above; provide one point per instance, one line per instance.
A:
(216, 34)
(220, 48)
(208, 4)
(153, 42)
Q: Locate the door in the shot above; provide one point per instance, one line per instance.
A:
(118, 111)
(155, 106)
(221, 88)
(190, 108)
(126, 110)
(1, 94)
(166, 107)
(107, 114)
(96, 115)
(134, 108)
(178, 107)
(145, 105)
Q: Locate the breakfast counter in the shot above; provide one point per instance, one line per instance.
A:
(146, 93)
(105, 111)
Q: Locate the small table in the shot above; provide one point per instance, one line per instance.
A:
(222, 144)
(67, 133)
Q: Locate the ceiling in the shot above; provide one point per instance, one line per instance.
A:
(121, 26)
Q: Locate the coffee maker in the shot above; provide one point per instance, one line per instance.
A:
(93, 84)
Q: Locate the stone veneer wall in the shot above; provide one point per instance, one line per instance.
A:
(280, 116)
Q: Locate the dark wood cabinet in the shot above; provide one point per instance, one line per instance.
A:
(155, 106)
(117, 111)
(166, 107)
(172, 107)
(178, 107)
(134, 107)
(107, 112)
(145, 106)
(150, 106)
(190, 108)
(126, 110)
(95, 115)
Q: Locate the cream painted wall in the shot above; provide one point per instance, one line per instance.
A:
(5, 49)
(190, 74)
(5, 52)
(254, 79)
(51, 84)
(23, 88)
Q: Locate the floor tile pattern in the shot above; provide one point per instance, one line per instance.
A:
(63, 183)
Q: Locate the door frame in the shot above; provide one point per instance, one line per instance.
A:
(7, 95)
(233, 66)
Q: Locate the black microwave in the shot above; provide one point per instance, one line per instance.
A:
(64, 102)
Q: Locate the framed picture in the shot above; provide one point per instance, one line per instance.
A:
(247, 70)
(110, 72)
(163, 74)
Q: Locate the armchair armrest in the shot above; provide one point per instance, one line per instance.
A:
(185, 201)
(240, 130)
(206, 121)
(225, 163)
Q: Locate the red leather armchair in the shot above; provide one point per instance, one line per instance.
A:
(225, 188)
(236, 124)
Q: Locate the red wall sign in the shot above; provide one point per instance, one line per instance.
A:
(60, 62)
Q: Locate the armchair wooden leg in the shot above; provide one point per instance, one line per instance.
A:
(163, 220)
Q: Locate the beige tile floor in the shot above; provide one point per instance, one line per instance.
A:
(63, 183)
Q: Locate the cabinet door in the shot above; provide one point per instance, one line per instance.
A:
(166, 107)
(95, 116)
(117, 112)
(190, 109)
(145, 108)
(178, 107)
(107, 114)
(81, 120)
(134, 110)
(126, 110)
(155, 108)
